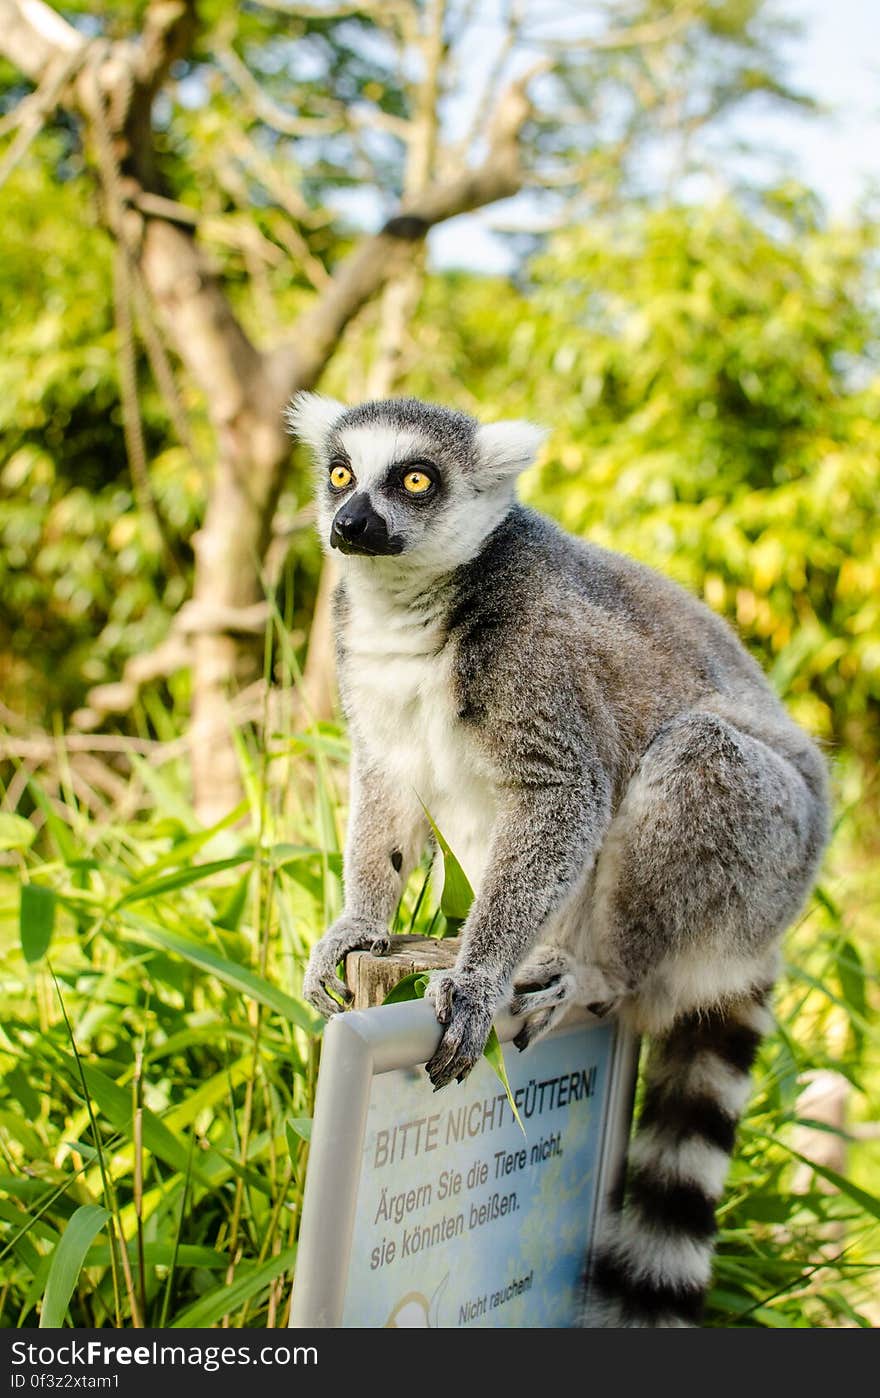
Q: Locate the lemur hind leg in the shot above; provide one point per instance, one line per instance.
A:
(707, 860)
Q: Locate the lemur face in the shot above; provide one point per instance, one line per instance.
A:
(404, 477)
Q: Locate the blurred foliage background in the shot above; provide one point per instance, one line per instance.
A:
(705, 352)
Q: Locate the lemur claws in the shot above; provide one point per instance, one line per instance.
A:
(322, 987)
(464, 1002)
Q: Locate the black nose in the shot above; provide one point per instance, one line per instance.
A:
(358, 528)
(351, 527)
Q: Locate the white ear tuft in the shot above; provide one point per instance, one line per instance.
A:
(506, 448)
(311, 417)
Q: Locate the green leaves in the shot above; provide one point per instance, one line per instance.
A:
(115, 1105)
(180, 878)
(138, 929)
(494, 1056)
(869, 1202)
(154, 1087)
(67, 1260)
(297, 1130)
(36, 920)
(223, 1299)
(457, 895)
(411, 987)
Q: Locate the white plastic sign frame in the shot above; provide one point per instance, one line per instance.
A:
(358, 1046)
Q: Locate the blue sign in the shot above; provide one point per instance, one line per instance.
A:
(463, 1217)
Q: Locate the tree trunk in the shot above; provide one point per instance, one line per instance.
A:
(228, 548)
(231, 545)
(319, 675)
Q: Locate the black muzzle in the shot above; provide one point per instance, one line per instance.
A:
(358, 528)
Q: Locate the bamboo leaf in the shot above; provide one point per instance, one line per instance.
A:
(67, 1261)
(189, 845)
(180, 878)
(167, 798)
(457, 895)
(115, 1103)
(869, 1202)
(492, 1052)
(222, 1299)
(412, 987)
(297, 1129)
(231, 973)
(851, 971)
(232, 908)
(36, 920)
(60, 832)
(823, 897)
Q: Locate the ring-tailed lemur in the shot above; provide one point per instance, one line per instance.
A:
(637, 813)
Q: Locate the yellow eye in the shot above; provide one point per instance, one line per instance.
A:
(417, 482)
(340, 477)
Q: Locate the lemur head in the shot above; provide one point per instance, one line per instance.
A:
(404, 477)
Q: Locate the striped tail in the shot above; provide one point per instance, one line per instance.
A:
(653, 1265)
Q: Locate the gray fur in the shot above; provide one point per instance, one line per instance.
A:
(653, 817)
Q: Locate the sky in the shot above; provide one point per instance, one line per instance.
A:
(836, 60)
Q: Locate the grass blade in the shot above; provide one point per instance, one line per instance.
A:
(115, 1103)
(180, 878)
(231, 973)
(217, 1303)
(99, 1150)
(60, 832)
(176, 1253)
(869, 1202)
(67, 1261)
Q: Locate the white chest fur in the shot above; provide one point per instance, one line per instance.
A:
(399, 693)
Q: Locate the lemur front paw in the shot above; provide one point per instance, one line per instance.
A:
(465, 1002)
(321, 985)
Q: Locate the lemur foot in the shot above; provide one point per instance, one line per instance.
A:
(465, 1002)
(551, 983)
(321, 985)
(544, 987)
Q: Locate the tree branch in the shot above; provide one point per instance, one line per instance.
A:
(488, 96)
(31, 114)
(263, 106)
(378, 257)
(33, 34)
(636, 35)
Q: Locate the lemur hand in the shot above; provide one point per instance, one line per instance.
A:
(348, 933)
(465, 1001)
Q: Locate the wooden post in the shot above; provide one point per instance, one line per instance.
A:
(370, 978)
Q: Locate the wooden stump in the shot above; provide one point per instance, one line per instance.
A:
(370, 978)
